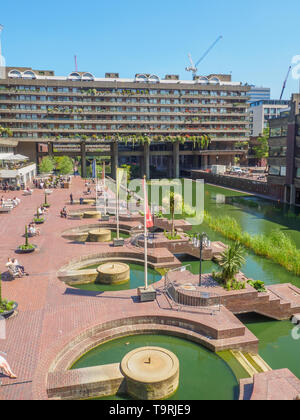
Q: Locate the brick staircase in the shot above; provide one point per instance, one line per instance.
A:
(283, 302)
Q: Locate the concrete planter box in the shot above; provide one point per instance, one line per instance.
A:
(105, 218)
(118, 242)
(146, 295)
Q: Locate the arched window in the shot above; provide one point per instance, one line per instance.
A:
(214, 80)
(14, 73)
(141, 78)
(88, 76)
(74, 76)
(153, 78)
(28, 74)
(202, 79)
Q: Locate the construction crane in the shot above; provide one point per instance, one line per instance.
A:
(284, 83)
(193, 67)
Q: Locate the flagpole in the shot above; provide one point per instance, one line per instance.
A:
(145, 236)
(104, 191)
(117, 203)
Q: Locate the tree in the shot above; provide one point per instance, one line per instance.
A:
(262, 149)
(47, 165)
(64, 165)
(5, 132)
(231, 261)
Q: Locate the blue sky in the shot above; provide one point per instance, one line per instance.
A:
(260, 37)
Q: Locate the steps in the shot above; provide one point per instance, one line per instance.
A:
(252, 363)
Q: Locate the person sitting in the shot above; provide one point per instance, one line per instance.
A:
(19, 267)
(63, 213)
(33, 230)
(6, 368)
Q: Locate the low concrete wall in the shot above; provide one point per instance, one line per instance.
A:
(247, 185)
(97, 381)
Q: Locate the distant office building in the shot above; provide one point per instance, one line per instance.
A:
(259, 94)
(263, 111)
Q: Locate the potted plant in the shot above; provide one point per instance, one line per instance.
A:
(27, 247)
(38, 219)
(46, 204)
(6, 307)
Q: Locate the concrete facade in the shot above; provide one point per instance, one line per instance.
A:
(80, 115)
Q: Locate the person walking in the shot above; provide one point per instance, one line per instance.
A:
(71, 198)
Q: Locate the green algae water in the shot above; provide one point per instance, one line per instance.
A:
(277, 346)
(203, 374)
(136, 280)
(257, 215)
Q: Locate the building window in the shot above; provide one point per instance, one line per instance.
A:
(274, 170)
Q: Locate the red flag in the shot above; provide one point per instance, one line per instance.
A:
(103, 170)
(149, 221)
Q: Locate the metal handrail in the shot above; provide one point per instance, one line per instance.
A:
(170, 289)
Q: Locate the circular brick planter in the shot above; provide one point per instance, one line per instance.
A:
(151, 373)
(91, 215)
(113, 273)
(99, 235)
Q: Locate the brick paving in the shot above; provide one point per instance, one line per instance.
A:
(51, 314)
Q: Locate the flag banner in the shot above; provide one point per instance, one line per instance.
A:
(94, 169)
(120, 173)
(103, 170)
(149, 221)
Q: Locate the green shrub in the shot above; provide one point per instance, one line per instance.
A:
(258, 285)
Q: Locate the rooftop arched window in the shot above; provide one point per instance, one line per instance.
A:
(88, 76)
(28, 74)
(14, 74)
(74, 76)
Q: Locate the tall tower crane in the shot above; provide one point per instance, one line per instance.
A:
(193, 67)
(284, 83)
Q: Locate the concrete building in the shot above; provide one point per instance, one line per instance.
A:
(261, 112)
(257, 94)
(284, 153)
(160, 124)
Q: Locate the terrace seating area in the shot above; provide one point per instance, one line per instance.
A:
(6, 205)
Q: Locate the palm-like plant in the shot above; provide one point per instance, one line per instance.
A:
(232, 261)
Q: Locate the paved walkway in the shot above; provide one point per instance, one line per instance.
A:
(51, 314)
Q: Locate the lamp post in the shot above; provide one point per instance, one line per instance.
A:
(201, 237)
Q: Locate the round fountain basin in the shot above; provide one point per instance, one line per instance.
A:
(151, 373)
(99, 235)
(113, 273)
(92, 215)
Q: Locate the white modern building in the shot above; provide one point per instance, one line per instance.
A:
(15, 169)
(261, 112)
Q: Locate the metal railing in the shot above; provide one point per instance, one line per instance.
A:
(189, 295)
